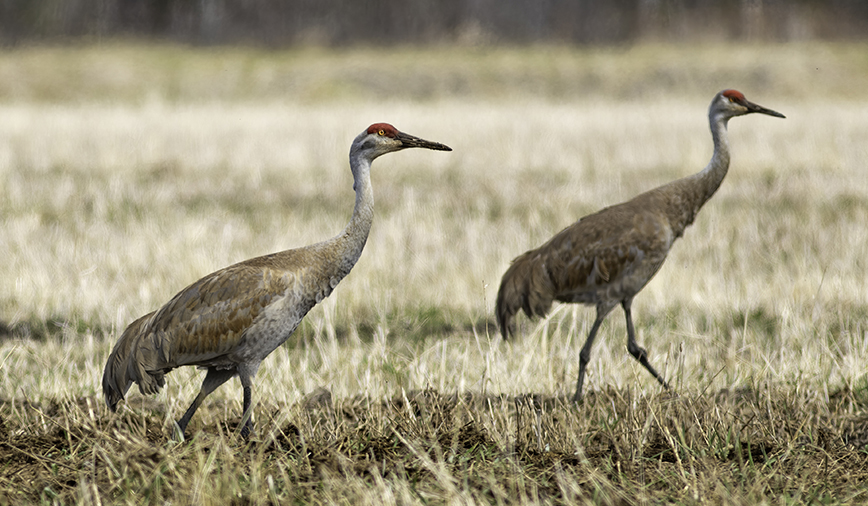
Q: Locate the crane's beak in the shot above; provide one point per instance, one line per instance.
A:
(409, 141)
(751, 107)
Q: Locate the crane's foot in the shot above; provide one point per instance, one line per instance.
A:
(177, 433)
(670, 393)
(578, 399)
(246, 430)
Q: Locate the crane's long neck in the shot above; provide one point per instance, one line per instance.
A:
(348, 244)
(693, 191)
(710, 178)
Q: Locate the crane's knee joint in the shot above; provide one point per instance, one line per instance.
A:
(638, 353)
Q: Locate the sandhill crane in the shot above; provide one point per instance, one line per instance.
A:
(231, 319)
(606, 258)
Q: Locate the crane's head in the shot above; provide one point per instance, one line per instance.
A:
(731, 103)
(382, 138)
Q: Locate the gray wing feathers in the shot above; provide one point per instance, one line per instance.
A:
(604, 256)
(202, 323)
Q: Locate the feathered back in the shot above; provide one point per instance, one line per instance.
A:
(527, 286)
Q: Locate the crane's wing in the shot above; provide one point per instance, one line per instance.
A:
(210, 318)
(207, 322)
(606, 256)
(617, 250)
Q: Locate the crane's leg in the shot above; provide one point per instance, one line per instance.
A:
(585, 354)
(637, 351)
(246, 372)
(213, 379)
(247, 416)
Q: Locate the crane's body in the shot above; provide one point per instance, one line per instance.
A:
(606, 258)
(230, 320)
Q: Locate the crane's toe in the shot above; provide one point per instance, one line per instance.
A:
(246, 429)
(177, 433)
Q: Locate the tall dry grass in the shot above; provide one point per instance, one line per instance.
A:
(115, 199)
(127, 172)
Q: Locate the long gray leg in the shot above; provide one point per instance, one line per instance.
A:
(247, 416)
(246, 372)
(585, 354)
(213, 379)
(637, 351)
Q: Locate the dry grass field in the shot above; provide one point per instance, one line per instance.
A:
(129, 171)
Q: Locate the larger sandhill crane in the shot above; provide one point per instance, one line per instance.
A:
(606, 258)
(230, 320)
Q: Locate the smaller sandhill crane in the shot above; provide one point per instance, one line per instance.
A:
(606, 258)
(230, 320)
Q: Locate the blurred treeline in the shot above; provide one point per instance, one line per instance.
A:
(344, 22)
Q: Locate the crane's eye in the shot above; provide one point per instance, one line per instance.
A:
(381, 132)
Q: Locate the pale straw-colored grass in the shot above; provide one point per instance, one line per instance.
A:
(109, 208)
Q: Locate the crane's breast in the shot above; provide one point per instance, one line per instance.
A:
(273, 326)
(639, 255)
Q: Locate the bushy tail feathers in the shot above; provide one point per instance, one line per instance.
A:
(123, 367)
(115, 379)
(526, 286)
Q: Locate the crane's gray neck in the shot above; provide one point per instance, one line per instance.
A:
(710, 178)
(349, 243)
(694, 191)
